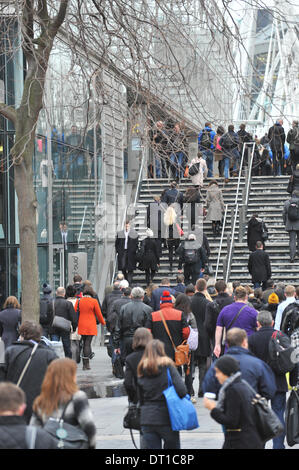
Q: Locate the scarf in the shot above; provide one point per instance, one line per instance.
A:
(227, 383)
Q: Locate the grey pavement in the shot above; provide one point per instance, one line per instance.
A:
(109, 404)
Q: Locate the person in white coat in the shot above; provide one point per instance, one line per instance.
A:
(200, 163)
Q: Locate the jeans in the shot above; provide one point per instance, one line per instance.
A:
(278, 404)
(208, 156)
(177, 170)
(66, 342)
(154, 435)
(236, 158)
(226, 161)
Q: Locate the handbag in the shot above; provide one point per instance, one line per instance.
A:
(132, 417)
(209, 269)
(181, 352)
(61, 323)
(67, 436)
(193, 339)
(182, 412)
(267, 422)
(292, 418)
(264, 231)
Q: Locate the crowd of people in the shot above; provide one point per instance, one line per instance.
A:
(276, 153)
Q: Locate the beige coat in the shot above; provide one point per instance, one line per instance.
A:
(214, 203)
(197, 180)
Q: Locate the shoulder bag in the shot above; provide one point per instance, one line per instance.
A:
(27, 364)
(267, 422)
(181, 352)
(67, 436)
(61, 323)
(229, 326)
(182, 412)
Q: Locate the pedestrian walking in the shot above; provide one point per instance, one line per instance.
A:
(229, 142)
(218, 152)
(192, 255)
(183, 303)
(63, 308)
(10, 320)
(277, 139)
(258, 344)
(133, 315)
(206, 146)
(60, 396)
(46, 309)
(150, 250)
(215, 206)
(290, 297)
(254, 370)
(141, 338)
(126, 245)
(234, 408)
(259, 266)
(175, 321)
(198, 170)
(238, 314)
(152, 381)
(255, 232)
(89, 314)
(157, 293)
(17, 356)
(14, 432)
(291, 220)
(202, 354)
(293, 140)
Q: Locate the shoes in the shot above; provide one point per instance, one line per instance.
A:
(91, 355)
(292, 260)
(200, 394)
(226, 180)
(193, 399)
(86, 365)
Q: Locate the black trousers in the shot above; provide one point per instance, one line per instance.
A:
(87, 339)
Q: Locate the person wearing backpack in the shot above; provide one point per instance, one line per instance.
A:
(293, 141)
(229, 143)
(193, 257)
(206, 146)
(290, 295)
(291, 221)
(198, 170)
(258, 344)
(46, 309)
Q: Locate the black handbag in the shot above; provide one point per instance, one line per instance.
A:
(132, 417)
(292, 418)
(267, 422)
(66, 435)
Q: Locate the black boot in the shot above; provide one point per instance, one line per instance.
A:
(86, 365)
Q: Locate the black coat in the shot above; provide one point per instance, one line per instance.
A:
(154, 411)
(132, 316)
(109, 300)
(13, 432)
(64, 308)
(198, 306)
(254, 233)
(16, 357)
(150, 249)
(258, 344)
(277, 138)
(114, 311)
(10, 318)
(212, 312)
(238, 414)
(130, 379)
(130, 264)
(294, 182)
(259, 266)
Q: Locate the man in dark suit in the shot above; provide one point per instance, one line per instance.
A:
(259, 266)
(126, 245)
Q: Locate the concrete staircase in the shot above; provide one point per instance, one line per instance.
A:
(267, 196)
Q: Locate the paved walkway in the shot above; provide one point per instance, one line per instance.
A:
(109, 405)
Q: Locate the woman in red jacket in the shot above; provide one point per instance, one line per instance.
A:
(89, 314)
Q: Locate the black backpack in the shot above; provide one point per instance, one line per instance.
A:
(293, 211)
(190, 255)
(44, 313)
(194, 169)
(290, 318)
(205, 140)
(281, 353)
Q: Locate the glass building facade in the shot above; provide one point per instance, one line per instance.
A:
(67, 165)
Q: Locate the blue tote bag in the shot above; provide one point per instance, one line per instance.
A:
(181, 411)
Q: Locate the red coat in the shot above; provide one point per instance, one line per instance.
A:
(88, 309)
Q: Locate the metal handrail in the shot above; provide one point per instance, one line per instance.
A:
(221, 241)
(237, 205)
(82, 223)
(140, 175)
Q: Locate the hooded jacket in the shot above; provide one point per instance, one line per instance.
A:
(254, 232)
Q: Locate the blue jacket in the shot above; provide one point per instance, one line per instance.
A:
(157, 293)
(212, 135)
(255, 371)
